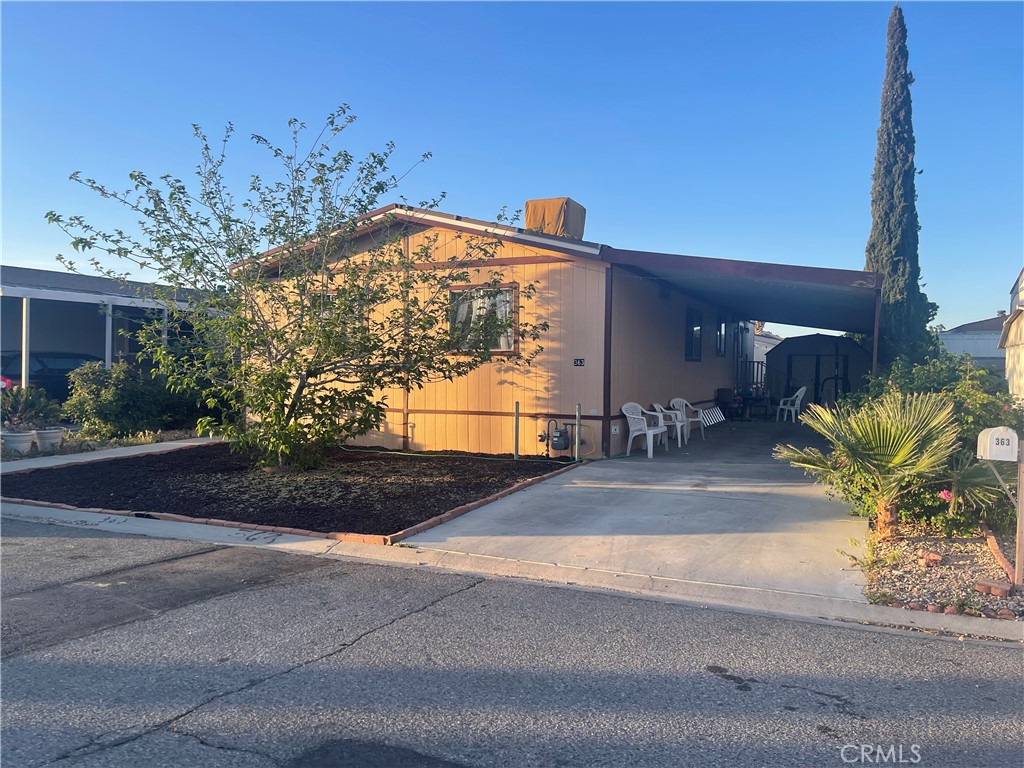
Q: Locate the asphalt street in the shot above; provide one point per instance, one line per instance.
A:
(129, 651)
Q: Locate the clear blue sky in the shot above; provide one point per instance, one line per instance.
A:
(734, 130)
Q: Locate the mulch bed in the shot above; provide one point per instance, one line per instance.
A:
(355, 491)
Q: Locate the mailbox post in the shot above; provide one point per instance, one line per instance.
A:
(1001, 444)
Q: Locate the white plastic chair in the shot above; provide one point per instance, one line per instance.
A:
(790, 406)
(672, 419)
(636, 417)
(691, 415)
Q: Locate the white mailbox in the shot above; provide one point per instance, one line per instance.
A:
(997, 444)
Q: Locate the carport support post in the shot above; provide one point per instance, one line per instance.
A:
(1018, 565)
(25, 311)
(108, 344)
(874, 336)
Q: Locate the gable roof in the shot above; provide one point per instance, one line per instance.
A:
(836, 299)
(991, 324)
(815, 297)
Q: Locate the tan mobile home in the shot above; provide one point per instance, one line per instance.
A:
(623, 326)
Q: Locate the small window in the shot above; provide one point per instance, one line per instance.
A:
(482, 317)
(694, 321)
(720, 334)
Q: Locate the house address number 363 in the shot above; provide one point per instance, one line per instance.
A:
(579, 362)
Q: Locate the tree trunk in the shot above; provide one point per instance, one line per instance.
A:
(885, 519)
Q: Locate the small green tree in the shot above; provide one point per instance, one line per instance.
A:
(892, 247)
(288, 311)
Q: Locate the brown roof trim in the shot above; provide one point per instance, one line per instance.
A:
(651, 260)
(376, 219)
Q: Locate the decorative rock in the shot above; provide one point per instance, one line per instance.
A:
(934, 608)
(1006, 613)
(988, 613)
(971, 612)
(951, 610)
(895, 605)
(916, 606)
(929, 559)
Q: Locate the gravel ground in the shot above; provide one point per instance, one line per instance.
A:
(899, 576)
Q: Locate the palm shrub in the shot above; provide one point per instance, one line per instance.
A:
(23, 409)
(881, 452)
(966, 492)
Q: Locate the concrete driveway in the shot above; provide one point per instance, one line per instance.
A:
(719, 511)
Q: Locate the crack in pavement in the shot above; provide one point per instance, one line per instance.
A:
(93, 747)
(222, 748)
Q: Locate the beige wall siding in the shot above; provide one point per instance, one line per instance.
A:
(1015, 357)
(474, 412)
(648, 349)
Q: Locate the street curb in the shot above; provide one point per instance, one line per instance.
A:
(750, 600)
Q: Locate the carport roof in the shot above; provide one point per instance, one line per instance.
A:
(816, 297)
(70, 286)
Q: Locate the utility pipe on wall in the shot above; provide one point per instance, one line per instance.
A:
(579, 409)
(515, 447)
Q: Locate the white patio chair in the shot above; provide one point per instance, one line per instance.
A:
(636, 417)
(672, 419)
(790, 406)
(691, 415)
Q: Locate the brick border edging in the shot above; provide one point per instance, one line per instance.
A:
(359, 538)
(451, 514)
(986, 613)
(997, 552)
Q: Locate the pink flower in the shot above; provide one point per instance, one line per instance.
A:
(1006, 407)
(945, 494)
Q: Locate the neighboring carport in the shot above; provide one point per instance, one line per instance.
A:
(52, 311)
(815, 297)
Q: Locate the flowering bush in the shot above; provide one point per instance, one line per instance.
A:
(962, 492)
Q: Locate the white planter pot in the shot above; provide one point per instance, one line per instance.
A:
(49, 439)
(18, 442)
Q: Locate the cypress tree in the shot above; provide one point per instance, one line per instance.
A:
(892, 245)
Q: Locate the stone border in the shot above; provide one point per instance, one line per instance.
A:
(359, 538)
(997, 552)
(951, 610)
(451, 514)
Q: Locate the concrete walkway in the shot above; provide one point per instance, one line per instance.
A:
(719, 511)
(104, 454)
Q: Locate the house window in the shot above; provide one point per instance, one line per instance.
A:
(720, 336)
(483, 317)
(694, 321)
